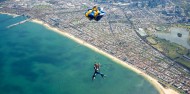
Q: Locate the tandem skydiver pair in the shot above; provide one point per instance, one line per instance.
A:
(95, 13)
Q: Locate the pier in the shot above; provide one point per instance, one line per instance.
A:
(21, 22)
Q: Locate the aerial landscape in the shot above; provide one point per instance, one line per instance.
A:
(58, 46)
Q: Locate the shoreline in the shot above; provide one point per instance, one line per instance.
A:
(14, 15)
(153, 81)
(150, 79)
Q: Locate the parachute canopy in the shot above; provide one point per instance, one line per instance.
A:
(95, 13)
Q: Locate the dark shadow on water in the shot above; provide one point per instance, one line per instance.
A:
(19, 49)
(11, 89)
(46, 59)
(24, 68)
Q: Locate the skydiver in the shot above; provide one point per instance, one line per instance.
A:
(95, 13)
(97, 71)
(89, 14)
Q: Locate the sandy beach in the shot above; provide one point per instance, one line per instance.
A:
(14, 15)
(153, 81)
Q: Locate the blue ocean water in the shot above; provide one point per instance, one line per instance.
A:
(35, 60)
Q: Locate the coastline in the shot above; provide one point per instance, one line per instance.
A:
(153, 81)
(14, 15)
